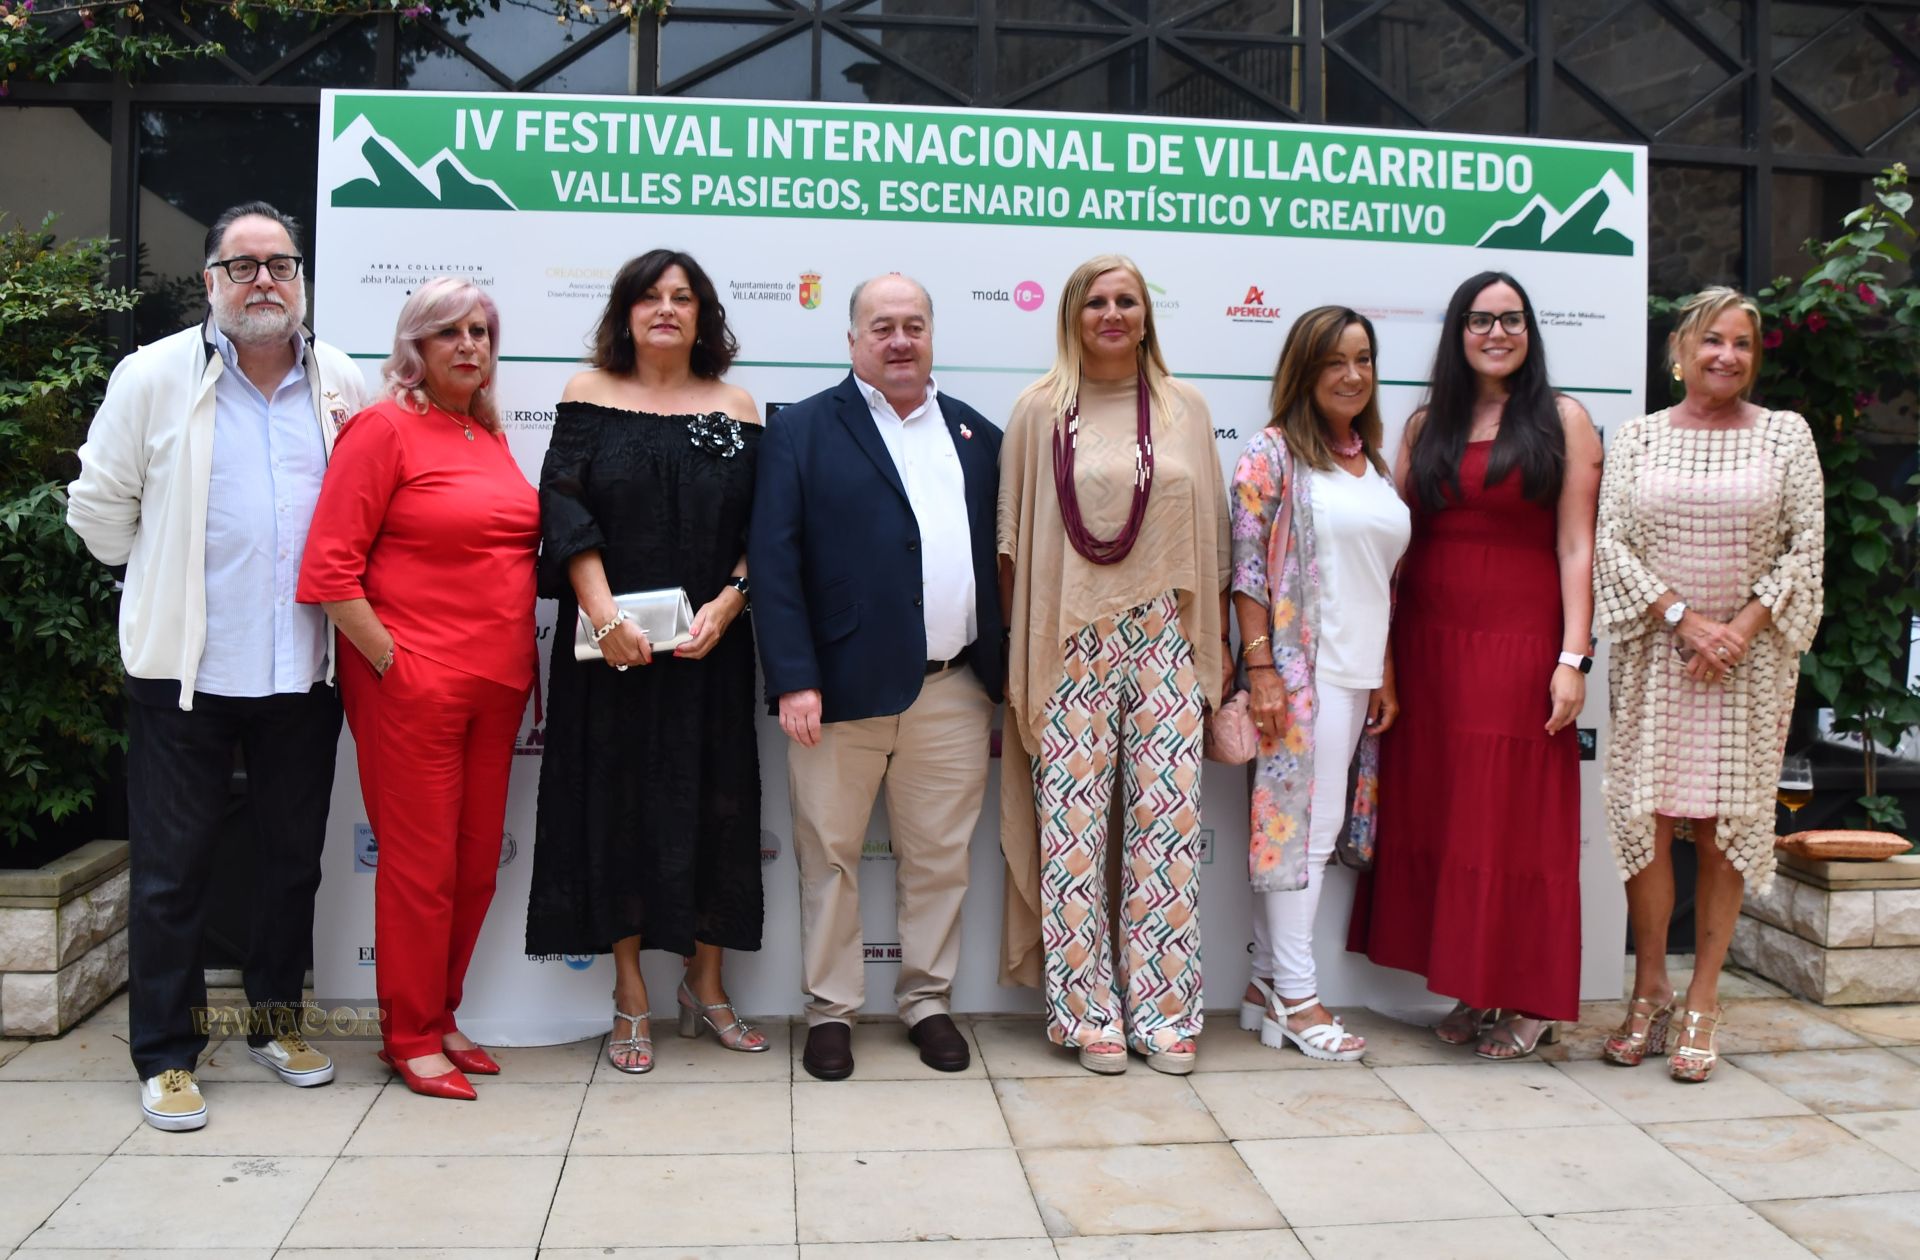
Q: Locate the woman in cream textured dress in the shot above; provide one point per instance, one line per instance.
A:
(1707, 579)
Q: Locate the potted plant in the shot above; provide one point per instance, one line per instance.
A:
(62, 889)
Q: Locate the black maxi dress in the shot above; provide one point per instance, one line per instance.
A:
(649, 808)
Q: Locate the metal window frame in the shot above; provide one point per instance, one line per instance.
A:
(1144, 46)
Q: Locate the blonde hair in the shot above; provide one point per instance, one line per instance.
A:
(1312, 340)
(1061, 384)
(431, 307)
(1698, 314)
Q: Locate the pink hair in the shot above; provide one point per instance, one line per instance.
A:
(433, 306)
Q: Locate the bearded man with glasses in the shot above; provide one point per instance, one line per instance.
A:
(197, 482)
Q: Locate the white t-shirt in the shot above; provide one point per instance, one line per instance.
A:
(1360, 529)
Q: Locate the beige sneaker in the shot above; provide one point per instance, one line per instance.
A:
(172, 1101)
(293, 1060)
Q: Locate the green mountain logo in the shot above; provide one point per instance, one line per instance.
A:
(373, 172)
(1600, 221)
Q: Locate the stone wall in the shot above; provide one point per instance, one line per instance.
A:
(1838, 933)
(63, 939)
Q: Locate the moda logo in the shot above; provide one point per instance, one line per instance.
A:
(366, 850)
(1253, 308)
(809, 291)
(1028, 296)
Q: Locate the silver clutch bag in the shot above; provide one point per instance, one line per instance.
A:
(665, 616)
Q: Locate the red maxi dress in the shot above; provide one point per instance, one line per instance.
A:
(1476, 878)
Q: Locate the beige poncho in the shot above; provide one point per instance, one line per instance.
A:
(1183, 546)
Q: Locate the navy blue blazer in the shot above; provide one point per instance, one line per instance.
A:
(833, 554)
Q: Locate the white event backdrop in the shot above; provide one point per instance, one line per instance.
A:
(408, 191)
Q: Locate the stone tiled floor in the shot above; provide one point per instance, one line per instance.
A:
(1807, 1141)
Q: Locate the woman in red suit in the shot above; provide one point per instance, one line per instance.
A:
(422, 554)
(1476, 881)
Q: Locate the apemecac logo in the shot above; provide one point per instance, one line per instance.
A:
(1253, 308)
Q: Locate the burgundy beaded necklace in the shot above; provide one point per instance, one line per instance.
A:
(1103, 550)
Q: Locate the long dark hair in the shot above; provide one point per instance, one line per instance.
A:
(1531, 437)
(713, 345)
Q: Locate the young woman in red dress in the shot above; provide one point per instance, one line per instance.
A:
(1476, 879)
(422, 553)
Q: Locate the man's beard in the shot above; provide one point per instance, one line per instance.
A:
(261, 325)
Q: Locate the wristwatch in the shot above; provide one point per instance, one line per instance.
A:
(1582, 663)
(1675, 611)
(739, 583)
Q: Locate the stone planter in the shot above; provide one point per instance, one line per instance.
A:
(63, 939)
(1837, 933)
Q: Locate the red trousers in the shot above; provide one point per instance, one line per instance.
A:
(435, 747)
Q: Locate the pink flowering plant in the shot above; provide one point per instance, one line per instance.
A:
(49, 39)
(1842, 347)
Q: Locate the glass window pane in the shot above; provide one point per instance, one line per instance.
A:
(194, 163)
(1695, 215)
(1425, 53)
(1808, 207)
(913, 8)
(782, 72)
(347, 60)
(517, 41)
(1245, 17)
(1112, 84)
(1500, 109)
(1191, 91)
(604, 70)
(426, 62)
(1794, 134)
(1021, 60)
(1718, 122)
(945, 55)
(56, 159)
(1859, 82)
(1646, 65)
(1573, 117)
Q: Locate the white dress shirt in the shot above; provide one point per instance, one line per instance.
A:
(268, 461)
(929, 468)
(1360, 530)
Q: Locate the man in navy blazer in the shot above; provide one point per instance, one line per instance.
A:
(877, 613)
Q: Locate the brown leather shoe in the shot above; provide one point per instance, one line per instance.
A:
(942, 1048)
(829, 1052)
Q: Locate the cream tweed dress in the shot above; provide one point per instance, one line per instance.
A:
(1721, 515)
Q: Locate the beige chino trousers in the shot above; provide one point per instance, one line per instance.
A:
(933, 760)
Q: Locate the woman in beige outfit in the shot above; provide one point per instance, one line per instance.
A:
(1114, 557)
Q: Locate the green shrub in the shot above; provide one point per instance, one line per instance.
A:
(59, 651)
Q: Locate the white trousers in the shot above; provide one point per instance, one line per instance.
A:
(1283, 921)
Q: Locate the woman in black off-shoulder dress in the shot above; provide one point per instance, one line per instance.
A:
(648, 832)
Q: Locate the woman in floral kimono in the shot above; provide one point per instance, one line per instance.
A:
(1317, 532)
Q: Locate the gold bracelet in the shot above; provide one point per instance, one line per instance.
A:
(1251, 644)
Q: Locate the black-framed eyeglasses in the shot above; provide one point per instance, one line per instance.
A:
(1480, 323)
(281, 267)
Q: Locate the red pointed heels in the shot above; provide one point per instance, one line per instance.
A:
(474, 1061)
(447, 1085)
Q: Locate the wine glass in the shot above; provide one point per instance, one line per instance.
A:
(1795, 787)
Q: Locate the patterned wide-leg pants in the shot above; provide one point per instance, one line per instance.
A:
(1129, 701)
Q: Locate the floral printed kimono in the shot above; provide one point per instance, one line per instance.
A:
(1289, 586)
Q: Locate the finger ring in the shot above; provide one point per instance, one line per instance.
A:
(1720, 651)
(621, 668)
